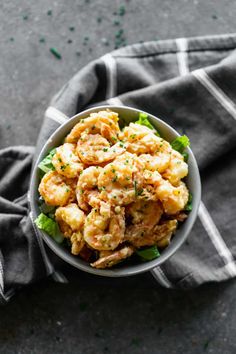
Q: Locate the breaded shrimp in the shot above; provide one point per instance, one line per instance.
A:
(177, 168)
(102, 232)
(173, 198)
(87, 186)
(112, 258)
(160, 235)
(93, 149)
(66, 161)
(116, 180)
(143, 212)
(142, 140)
(71, 220)
(56, 189)
(103, 122)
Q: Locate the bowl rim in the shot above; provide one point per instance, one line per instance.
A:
(75, 261)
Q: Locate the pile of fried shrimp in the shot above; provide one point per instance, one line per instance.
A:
(115, 191)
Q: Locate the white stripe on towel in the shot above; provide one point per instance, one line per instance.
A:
(160, 276)
(1, 276)
(217, 239)
(182, 56)
(115, 101)
(56, 115)
(216, 91)
(111, 70)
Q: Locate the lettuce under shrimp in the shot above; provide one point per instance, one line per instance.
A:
(143, 120)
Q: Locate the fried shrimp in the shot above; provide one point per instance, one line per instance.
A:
(142, 235)
(164, 232)
(104, 233)
(66, 161)
(177, 168)
(71, 220)
(145, 213)
(56, 189)
(173, 198)
(112, 258)
(159, 161)
(116, 180)
(104, 123)
(143, 216)
(93, 149)
(114, 191)
(87, 186)
(142, 140)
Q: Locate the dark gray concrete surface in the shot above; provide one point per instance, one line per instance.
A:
(93, 315)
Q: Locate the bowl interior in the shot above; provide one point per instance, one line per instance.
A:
(127, 115)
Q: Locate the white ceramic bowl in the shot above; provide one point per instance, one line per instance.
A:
(126, 114)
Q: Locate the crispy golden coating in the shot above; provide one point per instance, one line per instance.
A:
(104, 123)
(95, 150)
(66, 161)
(104, 232)
(56, 189)
(111, 258)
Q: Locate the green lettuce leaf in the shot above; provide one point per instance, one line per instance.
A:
(143, 120)
(147, 254)
(180, 143)
(46, 164)
(189, 206)
(50, 227)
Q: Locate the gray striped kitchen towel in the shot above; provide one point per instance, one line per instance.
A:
(189, 83)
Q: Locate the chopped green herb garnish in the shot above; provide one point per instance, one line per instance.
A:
(133, 136)
(49, 226)
(143, 120)
(99, 19)
(121, 10)
(140, 191)
(185, 156)
(12, 39)
(119, 33)
(46, 164)
(102, 188)
(42, 40)
(116, 23)
(25, 17)
(180, 143)
(69, 41)
(49, 13)
(148, 254)
(105, 149)
(135, 189)
(114, 179)
(55, 52)
(72, 28)
(189, 206)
